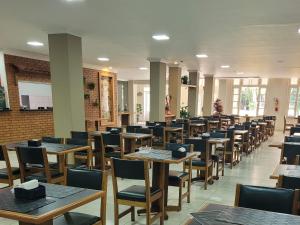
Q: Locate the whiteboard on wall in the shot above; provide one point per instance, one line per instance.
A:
(4, 100)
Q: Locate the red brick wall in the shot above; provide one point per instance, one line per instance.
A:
(16, 125)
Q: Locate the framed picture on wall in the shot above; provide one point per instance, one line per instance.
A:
(4, 100)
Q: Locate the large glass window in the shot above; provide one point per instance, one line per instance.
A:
(294, 103)
(249, 96)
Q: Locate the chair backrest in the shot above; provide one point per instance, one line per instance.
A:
(119, 129)
(158, 123)
(199, 144)
(289, 152)
(294, 130)
(79, 135)
(129, 169)
(84, 178)
(175, 146)
(292, 139)
(75, 141)
(131, 129)
(266, 198)
(239, 127)
(31, 155)
(52, 140)
(180, 125)
(111, 139)
(289, 182)
(217, 134)
(158, 131)
(143, 130)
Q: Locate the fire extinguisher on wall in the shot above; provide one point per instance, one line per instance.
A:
(276, 104)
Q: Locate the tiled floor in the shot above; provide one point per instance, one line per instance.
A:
(254, 169)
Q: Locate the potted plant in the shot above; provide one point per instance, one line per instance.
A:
(95, 103)
(86, 96)
(184, 113)
(184, 79)
(139, 111)
(91, 85)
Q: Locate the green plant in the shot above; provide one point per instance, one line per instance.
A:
(139, 111)
(184, 113)
(95, 103)
(86, 96)
(91, 85)
(184, 79)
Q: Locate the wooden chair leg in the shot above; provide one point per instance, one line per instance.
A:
(180, 197)
(189, 191)
(206, 178)
(162, 210)
(132, 213)
(116, 213)
(148, 214)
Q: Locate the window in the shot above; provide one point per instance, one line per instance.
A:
(34, 95)
(294, 103)
(249, 96)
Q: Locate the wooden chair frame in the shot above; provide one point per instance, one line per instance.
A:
(45, 169)
(146, 205)
(286, 126)
(11, 177)
(295, 200)
(207, 168)
(103, 198)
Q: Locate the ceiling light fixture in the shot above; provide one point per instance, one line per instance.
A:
(143, 68)
(299, 31)
(176, 63)
(110, 67)
(160, 37)
(225, 66)
(35, 43)
(240, 73)
(201, 56)
(103, 59)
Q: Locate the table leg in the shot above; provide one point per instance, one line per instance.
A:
(133, 145)
(99, 158)
(89, 158)
(49, 222)
(61, 163)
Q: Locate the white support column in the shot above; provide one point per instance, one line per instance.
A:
(209, 86)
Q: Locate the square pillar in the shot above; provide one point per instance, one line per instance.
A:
(175, 90)
(193, 93)
(65, 53)
(209, 85)
(158, 72)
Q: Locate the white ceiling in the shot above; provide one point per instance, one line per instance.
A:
(257, 37)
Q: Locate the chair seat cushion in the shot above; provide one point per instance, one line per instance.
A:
(176, 176)
(136, 193)
(112, 148)
(112, 155)
(74, 218)
(4, 175)
(41, 176)
(197, 162)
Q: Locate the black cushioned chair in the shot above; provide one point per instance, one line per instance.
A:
(292, 138)
(53, 140)
(289, 182)
(294, 130)
(8, 174)
(90, 179)
(79, 135)
(119, 129)
(81, 155)
(111, 146)
(219, 156)
(179, 178)
(158, 135)
(131, 129)
(266, 198)
(290, 153)
(144, 130)
(28, 158)
(204, 161)
(137, 195)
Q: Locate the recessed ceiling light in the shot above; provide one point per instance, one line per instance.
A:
(225, 66)
(143, 68)
(201, 56)
(160, 37)
(176, 63)
(110, 67)
(103, 59)
(240, 73)
(35, 43)
(299, 31)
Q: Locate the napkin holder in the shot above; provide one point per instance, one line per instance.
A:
(34, 143)
(33, 194)
(179, 153)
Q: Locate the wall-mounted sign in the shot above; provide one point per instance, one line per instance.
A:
(4, 100)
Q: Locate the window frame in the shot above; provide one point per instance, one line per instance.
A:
(295, 85)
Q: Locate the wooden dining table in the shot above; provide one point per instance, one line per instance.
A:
(173, 130)
(217, 214)
(60, 150)
(59, 200)
(245, 139)
(285, 170)
(160, 174)
(195, 128)
(130, 140)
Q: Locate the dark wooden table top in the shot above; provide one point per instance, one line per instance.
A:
(197, 124)
(215, 214)
(156, 155)
(58, 206)
(286, 170)
(173, 129)
(218, 140)
(51, 148)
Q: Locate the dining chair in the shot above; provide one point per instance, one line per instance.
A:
(81, 155)
(294, 130)
(179, 178)
(203, 162)
(286, 125)
(79, 135)
(28, 158)
(158, 136)
(112, 147)
(219, 156)
(292, 139)
(88, 179)
(118, 129)
(136, 195)
(144, 130)
(8, 174)
(131, 128)
(288, 182)
(266, 198)
(290, 154)
(53, 140)
(233, 149)
(160, 123)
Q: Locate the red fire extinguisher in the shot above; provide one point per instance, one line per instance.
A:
(276, 104)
